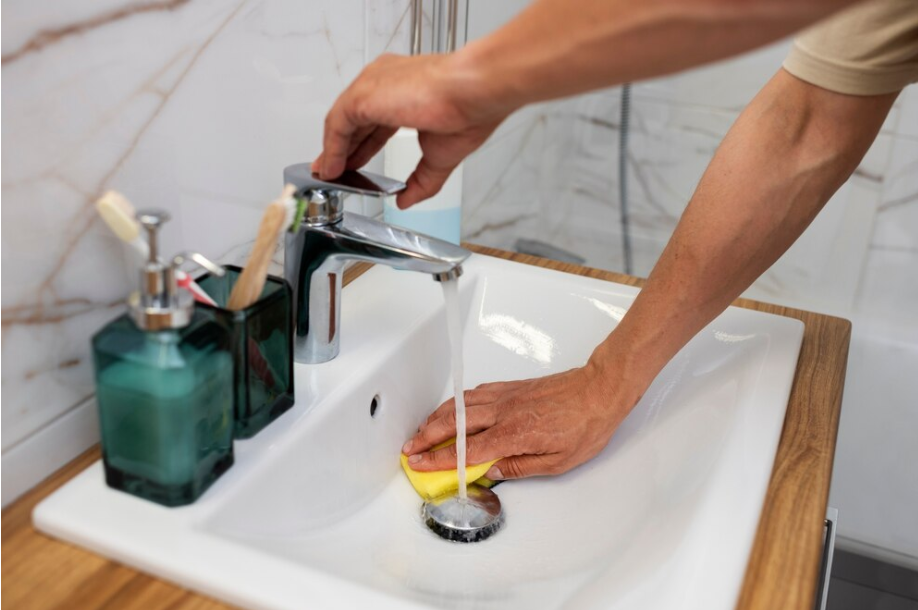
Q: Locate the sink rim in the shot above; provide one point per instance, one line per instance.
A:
(192, 515)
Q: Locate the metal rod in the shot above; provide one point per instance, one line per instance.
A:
(452, 25)
(436, 26)
(417, 25)
(465, 25)
(624, 215)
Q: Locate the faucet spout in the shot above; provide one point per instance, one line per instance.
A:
(315, 256)
(452, 274)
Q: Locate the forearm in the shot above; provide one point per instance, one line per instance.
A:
(789, 151)
(557, 48)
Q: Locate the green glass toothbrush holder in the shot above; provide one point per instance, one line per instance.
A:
(262, 348)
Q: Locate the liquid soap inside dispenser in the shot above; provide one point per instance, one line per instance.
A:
(164, 381)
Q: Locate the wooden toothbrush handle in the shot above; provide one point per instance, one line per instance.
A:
(252, 279)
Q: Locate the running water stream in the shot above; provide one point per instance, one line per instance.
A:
(454, 324)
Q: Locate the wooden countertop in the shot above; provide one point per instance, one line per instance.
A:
(40, 572)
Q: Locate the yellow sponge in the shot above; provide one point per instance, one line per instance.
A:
(429, 485)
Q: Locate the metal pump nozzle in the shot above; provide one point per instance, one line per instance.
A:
(159, 304)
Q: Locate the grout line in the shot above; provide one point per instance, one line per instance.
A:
(858, 547)
(44, 426)
(871, 588)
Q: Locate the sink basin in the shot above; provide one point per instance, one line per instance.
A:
(317, 513)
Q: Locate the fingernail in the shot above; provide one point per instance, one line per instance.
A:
(414, 459)
(406, 448)
(494, 474)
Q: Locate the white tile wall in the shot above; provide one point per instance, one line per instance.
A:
(195, 107)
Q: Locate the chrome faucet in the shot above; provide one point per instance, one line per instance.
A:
(329, 237)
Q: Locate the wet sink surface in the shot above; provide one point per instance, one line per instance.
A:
(316, 511)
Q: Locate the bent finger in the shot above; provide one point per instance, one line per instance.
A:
(444, 429)
(472, 397)
(371, 145)
(522, 466)
(340, 127)
(425, 182)
(483, 447)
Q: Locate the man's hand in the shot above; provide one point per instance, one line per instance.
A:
(432, 93)
(540, 426)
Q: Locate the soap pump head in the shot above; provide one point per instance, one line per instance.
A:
(159, 304)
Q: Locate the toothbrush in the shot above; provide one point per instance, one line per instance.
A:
(285, 212)
(119, 214)
(183, 280)
(279, 215)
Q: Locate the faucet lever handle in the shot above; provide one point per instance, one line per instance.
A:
(357, 182)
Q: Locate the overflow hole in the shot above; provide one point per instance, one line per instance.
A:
(374, 405)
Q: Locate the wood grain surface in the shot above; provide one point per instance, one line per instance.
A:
(41, 573)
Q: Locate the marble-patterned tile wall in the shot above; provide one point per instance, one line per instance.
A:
(550, 174)
(569, 195)
(194, 107)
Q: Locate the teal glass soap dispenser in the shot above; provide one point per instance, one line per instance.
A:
(164, 382)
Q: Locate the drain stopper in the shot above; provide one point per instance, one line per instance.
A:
(471, 520)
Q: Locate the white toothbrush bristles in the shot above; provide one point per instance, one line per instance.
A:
(118, 214)
(289, 202)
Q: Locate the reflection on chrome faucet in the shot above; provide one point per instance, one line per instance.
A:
(329, 237)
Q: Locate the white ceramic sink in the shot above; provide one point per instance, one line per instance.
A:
(317, 513)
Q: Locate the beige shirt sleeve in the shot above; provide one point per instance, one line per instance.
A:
(869, 48)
